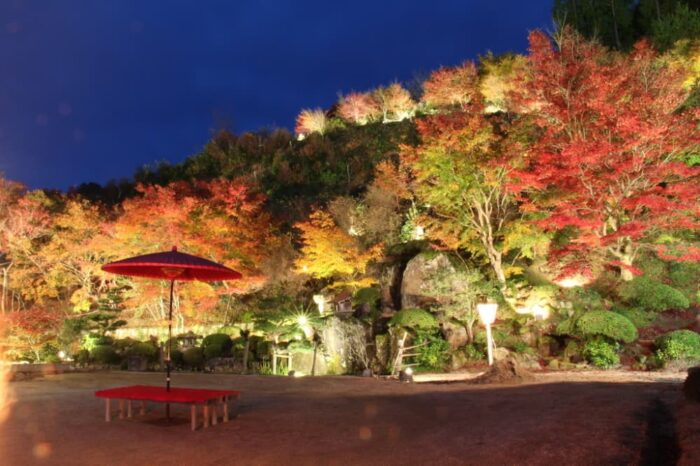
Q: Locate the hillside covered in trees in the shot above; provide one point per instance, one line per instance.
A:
(563, 184)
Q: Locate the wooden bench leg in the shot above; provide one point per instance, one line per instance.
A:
(193, 416)
(121, 409)
(214, 412)
(226, 409)
(142, 411)
(205, 413)
(108, 410)
(128, 409)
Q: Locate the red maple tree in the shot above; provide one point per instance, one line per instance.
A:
(603, 163)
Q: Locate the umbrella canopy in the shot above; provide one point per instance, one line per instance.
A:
(172, 265)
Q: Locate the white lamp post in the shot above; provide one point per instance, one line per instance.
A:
(487, 314)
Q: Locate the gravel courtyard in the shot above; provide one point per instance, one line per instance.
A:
(560, 418)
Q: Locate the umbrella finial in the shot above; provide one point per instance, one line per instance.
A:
(174, 248)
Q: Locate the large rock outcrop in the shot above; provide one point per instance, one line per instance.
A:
(415, 275)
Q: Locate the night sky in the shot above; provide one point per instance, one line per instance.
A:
(90, 90)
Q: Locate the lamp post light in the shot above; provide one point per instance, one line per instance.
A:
(487, 314)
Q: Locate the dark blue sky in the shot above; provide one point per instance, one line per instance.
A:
(92, 89)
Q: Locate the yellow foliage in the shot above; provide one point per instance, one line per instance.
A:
(330, 252)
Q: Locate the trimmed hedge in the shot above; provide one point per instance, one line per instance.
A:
(607, 324)
(680, 344)
(193, 358)
(415, 319)
(217, 345)
(144, 350)
(104, 354)
(639, 317)
(653, 296)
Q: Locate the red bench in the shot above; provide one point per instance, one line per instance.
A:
(210, 400)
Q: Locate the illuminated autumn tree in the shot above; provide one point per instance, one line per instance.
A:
(498, 80)
(311, 121)
(358, 108)
(394, 102)
(328, 252)
(30, 329)
(603, 165)
(220, 220)
(25, 226)
(460, 174)
(448, 87)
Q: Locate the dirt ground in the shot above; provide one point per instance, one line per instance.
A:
(560, 418)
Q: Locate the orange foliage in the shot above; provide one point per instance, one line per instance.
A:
(452, 86)
(329, 252)
(358, 108)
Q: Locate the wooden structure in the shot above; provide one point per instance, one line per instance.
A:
(210, 401)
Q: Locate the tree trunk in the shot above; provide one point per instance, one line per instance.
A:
(614, 17)
(246, 350)
(658, 10)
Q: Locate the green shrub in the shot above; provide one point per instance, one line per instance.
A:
(684, 276)
(82, 357)
(601, 354)
(368, 295)
(608, 324)
(193, 358)
(104, 340)
(434, 354)
(217, 345)
(144, 350)
(582, 299)
(639, 317)
(49, 353)
(473, 353)
(263, 349)
(414, 319)
(653, 296)
(681, 344)
(177, 358)
(104, 354)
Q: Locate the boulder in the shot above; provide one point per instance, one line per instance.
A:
(455, 335)
(414, 276)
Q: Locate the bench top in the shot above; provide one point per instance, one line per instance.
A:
(175, 395)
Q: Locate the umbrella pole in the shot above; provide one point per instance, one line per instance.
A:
(170, 342)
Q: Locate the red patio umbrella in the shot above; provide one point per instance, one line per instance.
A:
(171, 265)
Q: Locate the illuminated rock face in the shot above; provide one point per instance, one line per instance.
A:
(417, 271)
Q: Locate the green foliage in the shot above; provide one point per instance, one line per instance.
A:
(582, 299)
(82, 357)
(473, 352)
(684, 276)
(193, 358)
(608, 324)
(217, 345)
(652, 296)
(49, 353)
(680, 344)
(143, 349)
(177, 358)
(369, 295)
(414, 319)
(601, 354)
(639, 317)
(457, 291)
(104, 354)
(683, 23)
(434, 354)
